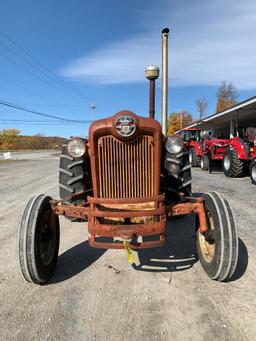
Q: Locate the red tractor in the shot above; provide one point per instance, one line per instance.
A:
(241, 154)
(126, 181)
(192, 140)
(213, 149)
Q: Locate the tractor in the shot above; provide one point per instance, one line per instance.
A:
(193, 143)
(126, 180)
(241, 154)
(214, 148)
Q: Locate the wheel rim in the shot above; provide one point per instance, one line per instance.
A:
(207, 245)
(227, 162)
(254, 173)
(190, 157)
(47, 238)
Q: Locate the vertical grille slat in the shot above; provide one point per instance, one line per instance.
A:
(125, 169)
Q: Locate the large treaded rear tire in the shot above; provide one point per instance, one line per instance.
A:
(232, 166)
(72, 177)
(38, 240)
(178, 173)
(193, 158)
(218, 251)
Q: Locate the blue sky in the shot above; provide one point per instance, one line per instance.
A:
(99, 50)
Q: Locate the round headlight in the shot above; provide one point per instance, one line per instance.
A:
(174, 144)
(76, 147)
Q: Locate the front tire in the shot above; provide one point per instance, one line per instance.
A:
(232, 166)
(218, 247)
(253, 172)
(38, 240)
(205, 162)
(193, 158)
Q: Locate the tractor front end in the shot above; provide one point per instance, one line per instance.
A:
(127, 180)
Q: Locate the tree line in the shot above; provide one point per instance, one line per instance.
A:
(226, 97)
(10, 139)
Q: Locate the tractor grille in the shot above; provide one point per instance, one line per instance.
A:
(125, 168)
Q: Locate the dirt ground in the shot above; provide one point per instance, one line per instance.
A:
(96, 295)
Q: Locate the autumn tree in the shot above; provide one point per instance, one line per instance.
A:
(8, 137)
(201, 105)
(226, 96)
(178, 120)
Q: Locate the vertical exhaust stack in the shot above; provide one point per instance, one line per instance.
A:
(152, 73)
(165, 33)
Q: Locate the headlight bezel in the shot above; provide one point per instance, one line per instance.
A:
(174, 144)
(73, 147)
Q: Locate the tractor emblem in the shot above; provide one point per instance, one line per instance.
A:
(125, 125)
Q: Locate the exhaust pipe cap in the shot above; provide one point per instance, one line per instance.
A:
(165, 30)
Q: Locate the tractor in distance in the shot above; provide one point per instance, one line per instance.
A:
(214, 148)
(241, 154)
(126, 180)
(193, 143)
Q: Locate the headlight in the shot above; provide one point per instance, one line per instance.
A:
(174, 144)
(76, 147)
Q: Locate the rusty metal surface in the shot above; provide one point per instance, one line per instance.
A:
(126, 167)
(106, 127)
(132, 245)
(127, 229)
(152, 98)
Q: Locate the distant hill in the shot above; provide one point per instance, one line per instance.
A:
(34, 142)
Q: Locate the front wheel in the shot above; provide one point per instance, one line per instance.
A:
(38, 241)
(193, 158)
(232, 166)
(218, 247)
(253, 172)
(205, 163)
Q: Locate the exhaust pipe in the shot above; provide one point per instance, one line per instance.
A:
(165, 33)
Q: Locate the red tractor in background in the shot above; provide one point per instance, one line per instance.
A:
(241, 154)
(214, 148)
(192, 141)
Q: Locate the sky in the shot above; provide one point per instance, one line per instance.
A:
(57, 57)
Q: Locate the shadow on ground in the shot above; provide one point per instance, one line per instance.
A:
(75, 260)
(179, 253)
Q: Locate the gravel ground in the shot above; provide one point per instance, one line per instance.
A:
(96, 295)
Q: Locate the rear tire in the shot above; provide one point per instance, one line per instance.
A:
(38, 240)
(253, 172)
(72, 177)
(193, 158)
(232, 166)
(205, 162)
(178, 173)
(218, 247)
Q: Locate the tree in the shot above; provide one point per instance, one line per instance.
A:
(201, 105)
(7, 137)
(178, 120)
(226, 96)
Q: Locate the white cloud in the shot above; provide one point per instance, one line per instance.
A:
(210, 41)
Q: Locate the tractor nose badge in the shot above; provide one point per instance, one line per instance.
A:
(125, 125)
(129, 252)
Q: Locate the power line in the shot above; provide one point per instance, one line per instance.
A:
(18, 107)
(38, 95)
(42, 68)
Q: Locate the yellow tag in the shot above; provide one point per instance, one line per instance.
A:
(129, 252)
